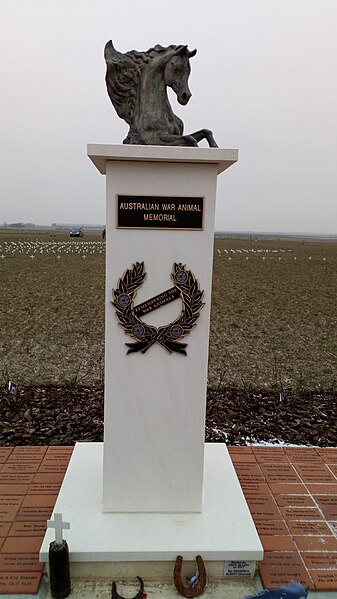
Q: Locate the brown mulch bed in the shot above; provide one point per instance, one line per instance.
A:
(62, 416)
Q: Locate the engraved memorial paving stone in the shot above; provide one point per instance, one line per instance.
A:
(271, 527)
(322, 489)
(240, 449)
(253, 489)
(328, 505)
(263, 508)
(308, 528)
(243, 459)
(7, 514)
(24, 562)
(10, 478)
(333, 468)
(315, 473)
(65, 450)
(324, 580)
(20, 468)
(38, 501)
(316, 542)
(274, 577)
(58, 464)
(26, 544)
(298, 513)
(317, 560)
(249, 473)
(294, 501)
(13, 489)
(328, 454)
(43, 489)
(275, 561)
(287, 488)
(279, 473)
(9, 507)
(278, 543)
(30, 450)
(20, 583)
(264, 454)
(303, 455)
(4, 454)
(51, 477)
(28, 529)
(279, 558)
(4, 528)
(34, 514)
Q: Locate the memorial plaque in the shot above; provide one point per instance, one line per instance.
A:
(288, 489)
(4, 454)
(315, 473)
(20, 468)
(20, 583)
(302, 527)
(24, 562)
(318, 542)
(276, 576)
(279, 473)
(27, 544)
(251, 489)
(271, 527)
(28, 529)
(249, 473)
(239, 568)
(325, 580)
(39, 501)
(328, 505)
(44, 489)
(156, 212)
(318, 560)
(301, 513)
(294, 501)
(34, 514)
(279, 542)
(328, 454)
(12, 478)
(262, 507)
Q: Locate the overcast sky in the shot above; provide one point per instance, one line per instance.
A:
(264, 80)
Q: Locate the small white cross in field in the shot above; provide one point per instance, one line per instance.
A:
(59, 526)
(2, 257)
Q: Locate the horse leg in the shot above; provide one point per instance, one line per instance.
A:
(178, 140)
(205, 134)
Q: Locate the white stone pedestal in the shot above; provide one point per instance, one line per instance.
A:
(154, 490)
(155, 402)
(127, 545)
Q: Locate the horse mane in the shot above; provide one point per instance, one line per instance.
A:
(123, 76)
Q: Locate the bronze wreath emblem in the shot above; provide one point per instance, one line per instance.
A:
(146, 334)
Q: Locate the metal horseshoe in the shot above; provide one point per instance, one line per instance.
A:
(115, 595)
(184, 589)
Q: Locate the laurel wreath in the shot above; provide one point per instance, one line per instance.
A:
(146, 334)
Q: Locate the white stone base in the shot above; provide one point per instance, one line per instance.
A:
(114, 543)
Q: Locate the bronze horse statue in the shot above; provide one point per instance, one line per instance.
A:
(137, 85)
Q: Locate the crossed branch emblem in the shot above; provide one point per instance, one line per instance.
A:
(186, 286)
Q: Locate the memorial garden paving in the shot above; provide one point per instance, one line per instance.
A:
(291, 493)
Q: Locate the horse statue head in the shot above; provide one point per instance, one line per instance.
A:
(177, 72)
(137, 85)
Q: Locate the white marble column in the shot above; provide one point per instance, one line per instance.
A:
(155, 402)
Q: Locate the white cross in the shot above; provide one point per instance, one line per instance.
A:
(59, 526)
